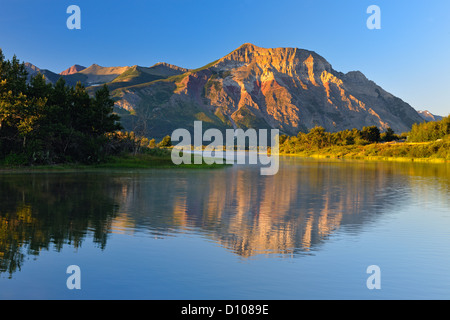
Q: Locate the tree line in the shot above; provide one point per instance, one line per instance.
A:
(45, 123)
(317, 138)
(430, 131)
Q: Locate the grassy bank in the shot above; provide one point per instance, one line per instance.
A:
(436, 151)
(153, 158)
(159, 159)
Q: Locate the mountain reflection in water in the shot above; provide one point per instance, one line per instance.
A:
(288, 214)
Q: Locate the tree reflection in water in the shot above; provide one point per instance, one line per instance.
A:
(291, 213)
(44, 211)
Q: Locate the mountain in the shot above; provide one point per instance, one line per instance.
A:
(289, 89)
(138, 75)
(115, 77)
(428, 116)
(52, 77)
(73, 69)
(95, 74)
(285, 88)
(33, 70)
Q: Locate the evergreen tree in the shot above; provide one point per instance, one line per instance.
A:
(371, 134)
(45, 123)
(102, 107)
(388, 135)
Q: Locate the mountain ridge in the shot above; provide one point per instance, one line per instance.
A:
(289, 89)
(73, 69)
(428, 116)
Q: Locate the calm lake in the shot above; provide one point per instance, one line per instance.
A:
(308, 232)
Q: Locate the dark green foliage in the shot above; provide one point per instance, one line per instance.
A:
(371, 134)
(364, 143)
(430, 131)
(45, 123)
(388, 136)
(317, 139)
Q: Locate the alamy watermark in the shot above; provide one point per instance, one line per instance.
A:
(74, 20)
(239, 146)
(374, 21)
(74, 280)
(374, 280)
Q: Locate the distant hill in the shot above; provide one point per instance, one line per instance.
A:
(92, 76)
(73, 69)
(32, 70)
(428, 116)
(96, 74)
(138, 75)
(115, 77)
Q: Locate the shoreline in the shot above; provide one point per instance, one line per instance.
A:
(135, 162)
(367, 158)
(145, 161)
(419, 152)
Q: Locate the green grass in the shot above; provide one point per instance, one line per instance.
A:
(153, 158)
(144, 161)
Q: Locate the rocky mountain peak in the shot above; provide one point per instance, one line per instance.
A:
(428, 116)
(290, 61)
(73, 69)
(31, 68)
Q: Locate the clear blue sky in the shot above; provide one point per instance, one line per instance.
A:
(409, 56)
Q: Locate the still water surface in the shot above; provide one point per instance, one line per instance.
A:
(308, 232)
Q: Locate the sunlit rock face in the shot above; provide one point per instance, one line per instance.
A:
(284, 88)
(73, 69)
